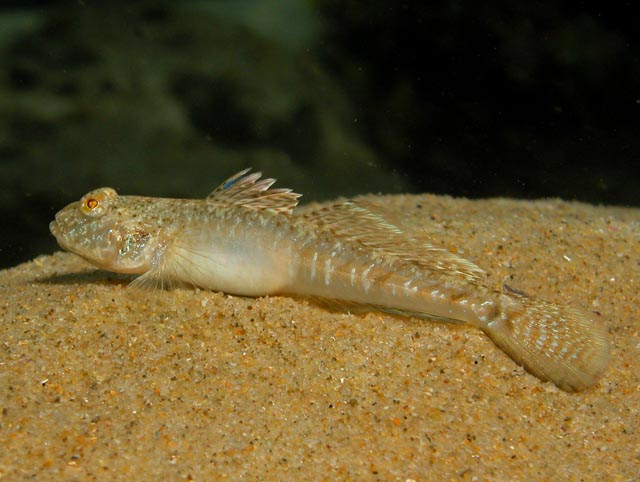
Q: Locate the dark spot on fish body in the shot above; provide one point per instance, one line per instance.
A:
(383, 276)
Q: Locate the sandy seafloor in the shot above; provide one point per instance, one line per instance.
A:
(100, 382)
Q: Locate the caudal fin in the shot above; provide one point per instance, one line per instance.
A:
(557, 343)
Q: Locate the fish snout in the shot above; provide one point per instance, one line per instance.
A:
(53, 228)
(59, 228)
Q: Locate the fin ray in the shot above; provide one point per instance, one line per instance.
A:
(248, 190)
(175, 267)
(352, 221)
(557, 343)
(338, 305)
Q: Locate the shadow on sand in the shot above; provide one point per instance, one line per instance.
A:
(88, 277)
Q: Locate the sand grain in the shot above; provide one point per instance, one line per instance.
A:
(98, 382)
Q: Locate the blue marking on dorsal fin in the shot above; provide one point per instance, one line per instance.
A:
(248, 190)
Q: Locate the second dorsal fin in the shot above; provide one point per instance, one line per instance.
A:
(248, 190)
(354, 222)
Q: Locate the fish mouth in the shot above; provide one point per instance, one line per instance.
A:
(53, 228)
(63, 231)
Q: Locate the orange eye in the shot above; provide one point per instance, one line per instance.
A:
(97, 202)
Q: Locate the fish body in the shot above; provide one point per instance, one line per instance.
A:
(244, 239)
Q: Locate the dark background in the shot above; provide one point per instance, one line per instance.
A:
(524, 99)
(475, 99)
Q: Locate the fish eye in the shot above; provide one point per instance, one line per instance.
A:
(91, 206)
(98, 202)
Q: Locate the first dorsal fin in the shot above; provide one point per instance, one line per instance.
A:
(353, 221)
(248, 190)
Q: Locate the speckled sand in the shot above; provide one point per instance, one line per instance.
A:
(98, 382)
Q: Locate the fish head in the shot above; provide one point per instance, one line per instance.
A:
(104, 229)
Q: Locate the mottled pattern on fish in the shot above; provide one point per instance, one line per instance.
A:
(245, 239)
